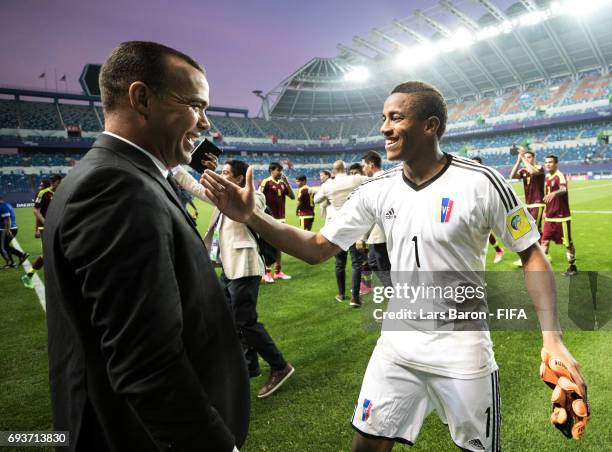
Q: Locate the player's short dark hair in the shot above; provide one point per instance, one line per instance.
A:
(56, 178)
(429, 102)
(301, 178)
(134, 61)
(356, 166)
(529, 152)
(477, 159)
(374, 158)
(554, 157)
(327, 173)
(274, 165)
(239, 168)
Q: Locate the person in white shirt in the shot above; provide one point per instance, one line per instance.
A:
(436, 211)
(378, 258)
(335, 192)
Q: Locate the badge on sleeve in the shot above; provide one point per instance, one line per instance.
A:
(518, 224)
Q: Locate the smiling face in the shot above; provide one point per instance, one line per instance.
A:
(550, 165)
(405, 134)
(178, 114)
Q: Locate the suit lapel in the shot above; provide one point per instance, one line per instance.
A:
(146, 165)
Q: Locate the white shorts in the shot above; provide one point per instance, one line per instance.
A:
(394, 400)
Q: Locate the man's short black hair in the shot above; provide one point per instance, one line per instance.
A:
(374, 158)
(477, 159)
(529, 152)
(274, 165)
(356, 166)
(554, 157)
(239, 168)
(134, 61)
(429, 102)
(56, 178)
(301, 178)
(327, 173)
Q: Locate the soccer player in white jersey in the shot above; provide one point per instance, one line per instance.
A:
(437, 212)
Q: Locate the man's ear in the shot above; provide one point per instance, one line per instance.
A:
(432, 125)
(139, 96)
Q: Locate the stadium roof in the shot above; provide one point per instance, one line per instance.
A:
(464, 48)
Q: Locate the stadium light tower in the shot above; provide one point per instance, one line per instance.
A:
(265, 103)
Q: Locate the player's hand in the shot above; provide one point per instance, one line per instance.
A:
(549, 197)
(210, 162)
(238, 203)
(360, 245)
(560, 371)
(37, 234)
(8, 234)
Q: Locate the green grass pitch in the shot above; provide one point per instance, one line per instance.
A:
(329, 347)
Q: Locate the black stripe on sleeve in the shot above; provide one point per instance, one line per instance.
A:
(503, 195)
(512, 201)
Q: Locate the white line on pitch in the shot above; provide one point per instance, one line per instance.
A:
(590, 186)
(605, 212)
(39, 287)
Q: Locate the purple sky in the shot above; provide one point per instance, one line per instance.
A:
(244, 45)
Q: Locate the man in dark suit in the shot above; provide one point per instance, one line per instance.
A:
(143, 353)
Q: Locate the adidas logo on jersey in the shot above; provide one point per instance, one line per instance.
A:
(390, 214)
(476, 444)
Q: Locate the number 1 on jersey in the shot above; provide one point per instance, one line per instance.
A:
(416, 251)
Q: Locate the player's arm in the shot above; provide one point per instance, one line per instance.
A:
(554, 194)
(320, 197)
(191, 185)
(238, 203)
(289, 189)
(40, 220)
(532, 170)
(7, 226)
(540, 283)
(514, 172)
(308, 246)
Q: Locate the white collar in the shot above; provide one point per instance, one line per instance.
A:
(160, 166)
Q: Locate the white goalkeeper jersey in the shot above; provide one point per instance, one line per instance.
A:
(439, 226)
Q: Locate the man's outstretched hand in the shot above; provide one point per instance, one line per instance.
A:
(238, 203)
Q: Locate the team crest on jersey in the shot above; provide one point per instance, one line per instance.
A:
(367, 408)
(446, 209)
(518, 224)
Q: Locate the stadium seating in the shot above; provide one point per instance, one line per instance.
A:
(40, 116)
(9, 117)
(84, 115)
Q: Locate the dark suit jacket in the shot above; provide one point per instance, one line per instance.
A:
(143, 353)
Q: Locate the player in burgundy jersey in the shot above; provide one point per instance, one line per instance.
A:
(557, 216)
(532, 174)
(276, 189)
(305, 205)
(499, 251)
(41, 205)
